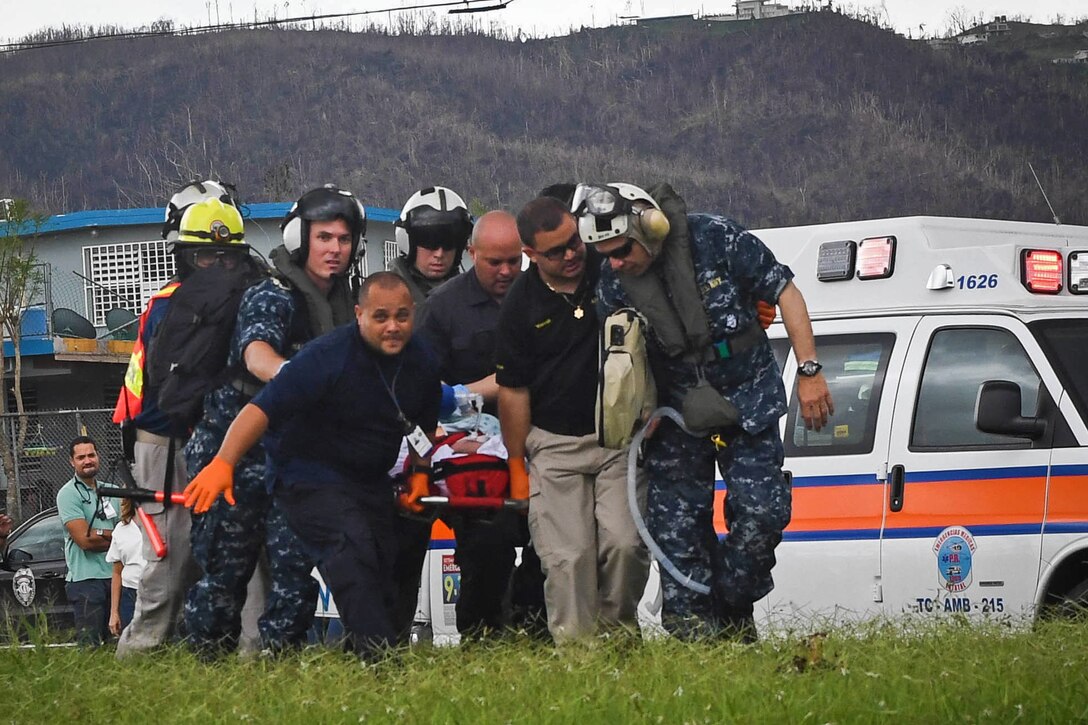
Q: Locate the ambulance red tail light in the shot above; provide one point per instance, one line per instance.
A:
(876, 258)
(1078, 272)
(1041, 271)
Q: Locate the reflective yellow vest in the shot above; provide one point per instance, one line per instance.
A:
(131, 400)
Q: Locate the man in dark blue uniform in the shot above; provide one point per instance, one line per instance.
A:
(698, 278)
(334, 417)
(308, 295)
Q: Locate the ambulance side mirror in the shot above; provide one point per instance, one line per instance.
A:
(997, 411)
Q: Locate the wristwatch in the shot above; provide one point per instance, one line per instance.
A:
(98, 532)
(809, 368)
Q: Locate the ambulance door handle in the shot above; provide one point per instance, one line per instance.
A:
(897, 478)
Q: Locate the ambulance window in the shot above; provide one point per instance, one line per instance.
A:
(958, 362)
(1064, 342)
(854, 367)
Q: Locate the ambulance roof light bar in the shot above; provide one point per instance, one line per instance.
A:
(835, 262)
(1078, 272)
(876, 257)
(1041, 271)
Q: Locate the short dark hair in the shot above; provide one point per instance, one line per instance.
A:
(563, 191)
(542, 214)
(385, 280)
(79, 441)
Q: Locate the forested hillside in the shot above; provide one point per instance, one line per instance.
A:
(786, 121)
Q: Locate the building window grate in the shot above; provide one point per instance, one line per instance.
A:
(124, 275)
(30, 397)
(389, 253)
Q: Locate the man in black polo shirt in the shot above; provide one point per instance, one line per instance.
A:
(546, 361)
(459, 320)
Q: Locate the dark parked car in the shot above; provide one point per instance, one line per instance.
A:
(32, 573)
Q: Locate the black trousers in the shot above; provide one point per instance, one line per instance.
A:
(485, 554)
(348, 531)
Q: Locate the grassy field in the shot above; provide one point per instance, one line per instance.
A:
(947, 674)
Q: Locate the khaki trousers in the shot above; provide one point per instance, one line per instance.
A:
(594, 562)
(161, 594)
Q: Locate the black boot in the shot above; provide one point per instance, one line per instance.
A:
(736, 621)
(738, 624)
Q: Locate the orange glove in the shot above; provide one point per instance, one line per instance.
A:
(419, 485)
(519, 478)
(216, 478)
(765, 313)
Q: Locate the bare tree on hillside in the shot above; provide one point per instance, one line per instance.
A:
(20, 281)
(959, 20)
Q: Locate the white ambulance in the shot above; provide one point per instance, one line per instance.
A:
(953, 478)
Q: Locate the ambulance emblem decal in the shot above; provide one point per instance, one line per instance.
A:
(955, 550)
(23, 585)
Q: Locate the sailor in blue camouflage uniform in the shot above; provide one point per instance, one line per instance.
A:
(732, 271)
(308, 295)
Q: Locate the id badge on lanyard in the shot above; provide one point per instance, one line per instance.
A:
(418, 440)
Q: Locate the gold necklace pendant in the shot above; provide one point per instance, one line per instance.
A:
(578, 312)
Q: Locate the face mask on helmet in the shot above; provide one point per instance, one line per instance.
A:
(434, 218)
(198, 258)
(323, 204)
(619, 210)
(192, 193)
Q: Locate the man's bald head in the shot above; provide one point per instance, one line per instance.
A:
(495, 247)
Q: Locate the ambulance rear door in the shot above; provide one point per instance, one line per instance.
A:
(828, 568)
(964, 508)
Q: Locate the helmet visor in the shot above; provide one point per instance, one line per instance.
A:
(440, 237)
(432, 228)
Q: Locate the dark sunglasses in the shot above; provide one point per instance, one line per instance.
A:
(557, 254)
(621, 251)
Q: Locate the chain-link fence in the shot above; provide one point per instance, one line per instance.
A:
(67, 303)
(43, 463)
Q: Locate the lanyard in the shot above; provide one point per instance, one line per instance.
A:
(390, 388)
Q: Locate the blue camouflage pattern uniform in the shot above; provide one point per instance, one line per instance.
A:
(733, 270)
(227, 539)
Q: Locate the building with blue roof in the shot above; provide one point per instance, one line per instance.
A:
(98, 269)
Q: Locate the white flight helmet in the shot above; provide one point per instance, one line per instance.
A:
(193, 192)
(431, 218)
(608, 211)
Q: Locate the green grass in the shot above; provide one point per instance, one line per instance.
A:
(947, 674)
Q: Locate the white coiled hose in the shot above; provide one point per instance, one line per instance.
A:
(632, 500)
